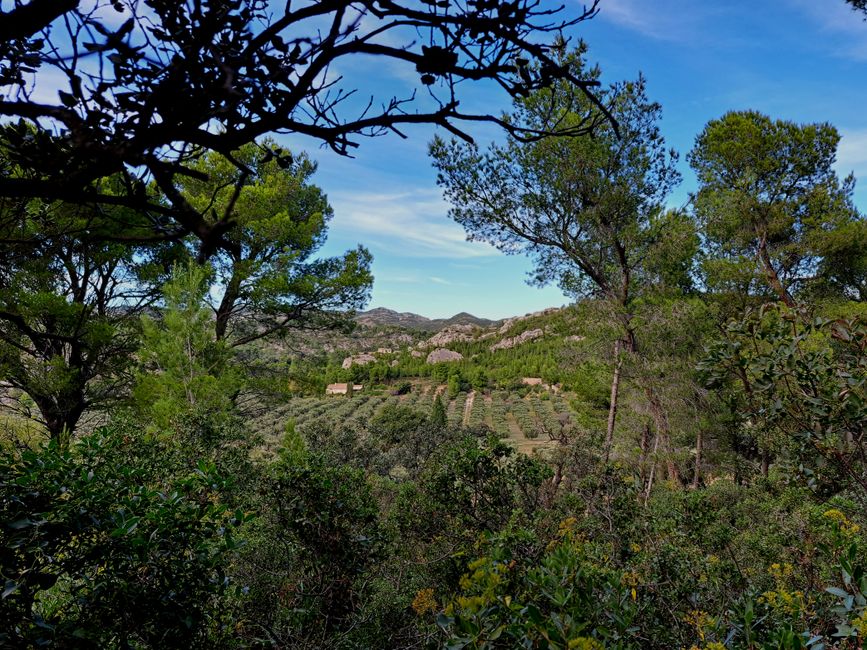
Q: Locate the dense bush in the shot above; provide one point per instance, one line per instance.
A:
(97, 551)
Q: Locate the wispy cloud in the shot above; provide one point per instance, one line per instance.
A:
(404, 279)
(631, 14)
(407, 223)
(839, 19)
(438, 280)
(466, 267)
(665, 20)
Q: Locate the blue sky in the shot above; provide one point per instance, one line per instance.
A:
(800, 60)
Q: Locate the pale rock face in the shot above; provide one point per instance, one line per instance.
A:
(417, 354)
(358, 360)
(523, 337)
(574, 338)
(441, 355)
(450, 335)
(509, 322)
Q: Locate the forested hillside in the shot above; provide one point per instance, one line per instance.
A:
(207, 442)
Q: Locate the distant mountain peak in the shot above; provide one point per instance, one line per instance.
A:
(384, 316)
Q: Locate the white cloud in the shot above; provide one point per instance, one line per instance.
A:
(840, 19)
(630, 13)
(667, 20)
(404, 279)
(852, 156)
(406, 223)
(852, 152)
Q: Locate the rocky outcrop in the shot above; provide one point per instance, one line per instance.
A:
(512, 341)
(510, 322)
(441, 355)
(417, 354)
(452, 334)
(358, 360)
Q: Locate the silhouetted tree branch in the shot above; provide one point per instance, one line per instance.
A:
(858, 5)
(144, 89)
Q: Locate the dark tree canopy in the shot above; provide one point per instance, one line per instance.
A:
(588, 211)
(858, 5)
(271, 277)
(72, 293)
(142, 89)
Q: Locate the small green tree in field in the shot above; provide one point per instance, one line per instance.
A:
(438, 413)
(186, 369)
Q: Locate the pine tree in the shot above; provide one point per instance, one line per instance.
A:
(438, 413)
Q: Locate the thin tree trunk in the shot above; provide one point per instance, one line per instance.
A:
(556, 480)
(697, 476)
(226, 307)
(663, 433)
(766, 463)
(772, 276)
(643, 444)
(652, 470)
(615, 391)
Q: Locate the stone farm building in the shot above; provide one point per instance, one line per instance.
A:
(342, 389)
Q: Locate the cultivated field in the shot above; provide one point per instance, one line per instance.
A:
(524, 421)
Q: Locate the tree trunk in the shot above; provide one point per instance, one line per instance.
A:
(773, 277)
(663, 433)
(60, 422)
(643, 445)
(766, 463)
(615, 390)
(556, 480)
(652, 470)
(697, 476)
(227, 306)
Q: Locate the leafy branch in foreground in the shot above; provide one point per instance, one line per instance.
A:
(802, 386)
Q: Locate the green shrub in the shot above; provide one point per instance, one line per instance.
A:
(95, 552)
